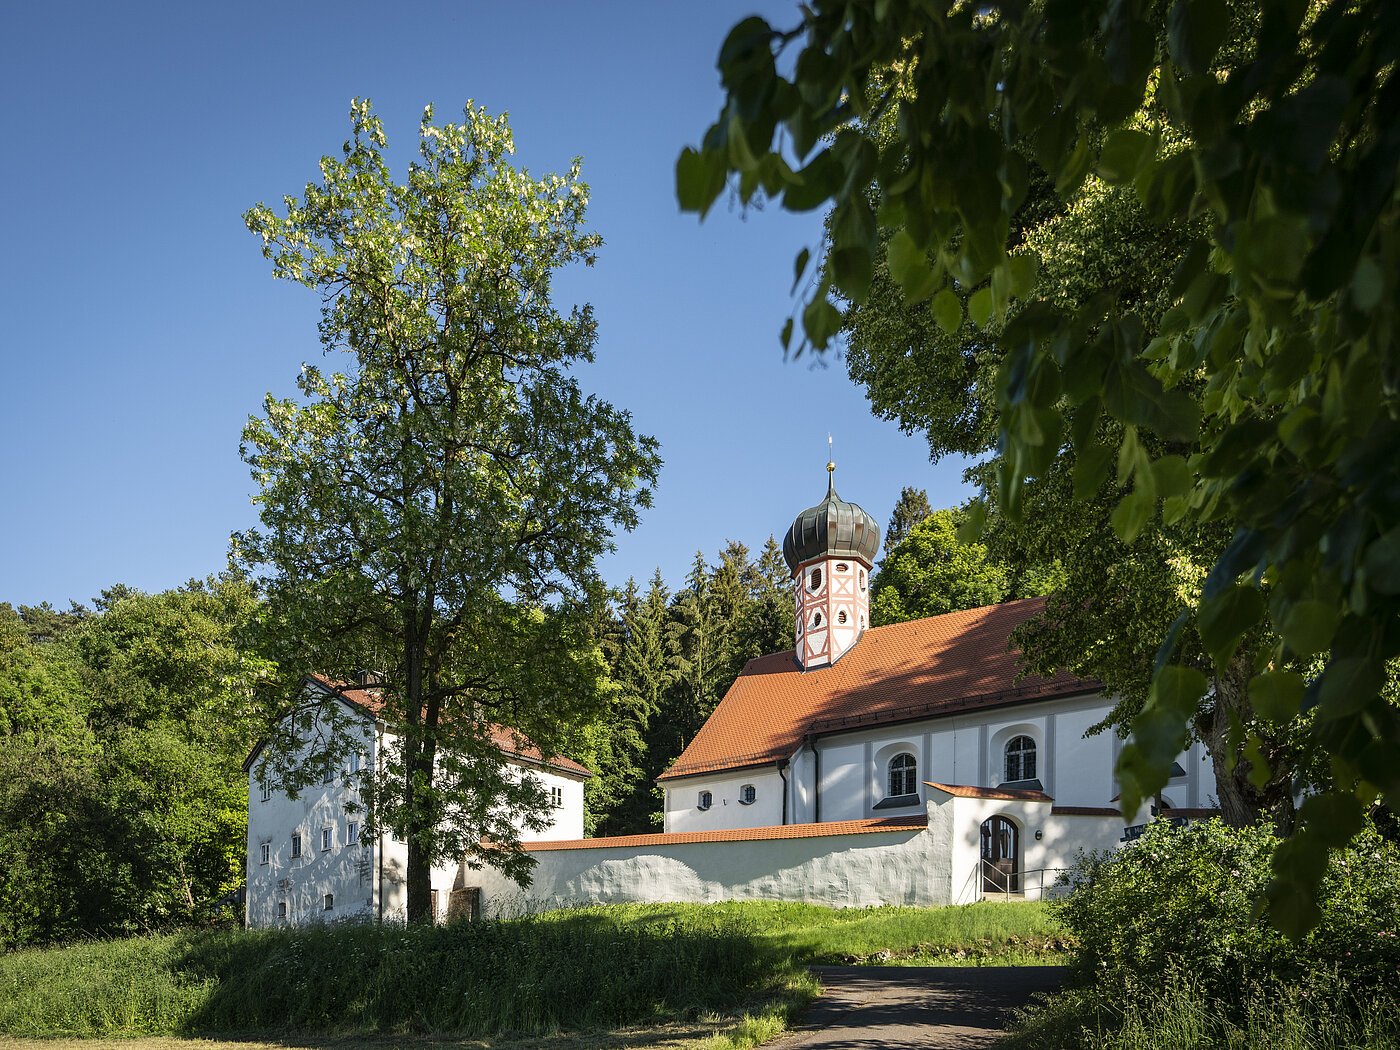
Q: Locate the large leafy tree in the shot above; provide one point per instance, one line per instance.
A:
(929, 572)
(433, 507)
(1283, 147)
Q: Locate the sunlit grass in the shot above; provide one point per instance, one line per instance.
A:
(580, 969)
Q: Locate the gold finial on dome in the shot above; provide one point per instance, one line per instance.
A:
(830, 462)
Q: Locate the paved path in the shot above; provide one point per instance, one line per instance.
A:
(931, 1007)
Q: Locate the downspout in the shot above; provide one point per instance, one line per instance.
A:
(782, 764)
(816, 778)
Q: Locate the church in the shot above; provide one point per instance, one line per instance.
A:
(915, 763)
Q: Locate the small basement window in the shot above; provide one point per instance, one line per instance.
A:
(706, 800)
(748, 795)
(329, 902)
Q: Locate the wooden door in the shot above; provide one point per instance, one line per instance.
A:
(1000, 849)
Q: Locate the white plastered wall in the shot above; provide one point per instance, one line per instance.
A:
(726, 812)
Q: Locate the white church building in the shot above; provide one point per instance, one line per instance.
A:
(915, 763)
(309, 859)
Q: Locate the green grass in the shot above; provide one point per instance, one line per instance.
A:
(597, 968)
(1178, 1018)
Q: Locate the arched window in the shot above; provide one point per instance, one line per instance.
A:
(903, 774)
(841, 616)
(706, 800)
(814, 580)
(816, 619)
(1020, 758)
(747, 795)
(862, 579)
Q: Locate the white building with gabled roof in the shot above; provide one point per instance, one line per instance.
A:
(309, 859)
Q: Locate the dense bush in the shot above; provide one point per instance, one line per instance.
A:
(1174, 950)
(1187, 902)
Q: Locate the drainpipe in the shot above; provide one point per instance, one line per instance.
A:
(782, 765)
(816, 779)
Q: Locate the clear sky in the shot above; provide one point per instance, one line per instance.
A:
(141, 325)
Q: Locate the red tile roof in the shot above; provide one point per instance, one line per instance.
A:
(1085, 811)
(921, 669)
(1004, 794)
(776, 831)
(507, 740)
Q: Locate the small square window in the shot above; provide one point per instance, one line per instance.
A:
(329, 902)
(281, 909)
(265, 851)
(327, 838)
(352, 832)
(296, 844)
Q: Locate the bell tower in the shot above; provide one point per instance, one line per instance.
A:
(830, 548)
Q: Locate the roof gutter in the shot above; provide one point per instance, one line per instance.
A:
(816, 778)
(782, 765)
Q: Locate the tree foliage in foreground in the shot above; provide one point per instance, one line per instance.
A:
(1283, 310)
(432, 507)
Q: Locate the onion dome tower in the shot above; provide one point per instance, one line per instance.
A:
(830, 549)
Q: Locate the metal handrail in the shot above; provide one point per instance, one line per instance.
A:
(1006, 877)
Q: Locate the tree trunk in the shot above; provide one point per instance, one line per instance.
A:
(1242, 802)
(417, 777)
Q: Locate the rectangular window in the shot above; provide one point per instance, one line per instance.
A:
(296, 844)
(556, 797)
(329, 902)
(357, 761)
(281, 909)
(328, 777)
(266, 853)
(352, 832)
(266, 792)
(327, 838)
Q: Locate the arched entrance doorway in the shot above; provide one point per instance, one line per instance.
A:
(1001, 846)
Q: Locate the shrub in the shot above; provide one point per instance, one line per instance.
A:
(1186, 904)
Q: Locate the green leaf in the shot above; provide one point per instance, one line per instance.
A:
(1383, 563)
(821, 320)
(851, 271)
(785, 336)
(1178, 689)
(1349, 684)
(799, 267)
(1171, 476)
(1195, 31)
(1224, 618)
(909, 266)
(1131, 515)
(1023, 267)
(698, 180)
(1090, 470)
(1368, 284)
(1123, 154)
(979, 307)
(948, 311)
(1277, 696)
(970, 531)
(1308, 626)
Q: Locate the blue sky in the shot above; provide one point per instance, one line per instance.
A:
(142, 326)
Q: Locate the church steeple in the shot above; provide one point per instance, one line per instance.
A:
(830, 549)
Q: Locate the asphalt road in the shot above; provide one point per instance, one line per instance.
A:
(930, 1007)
